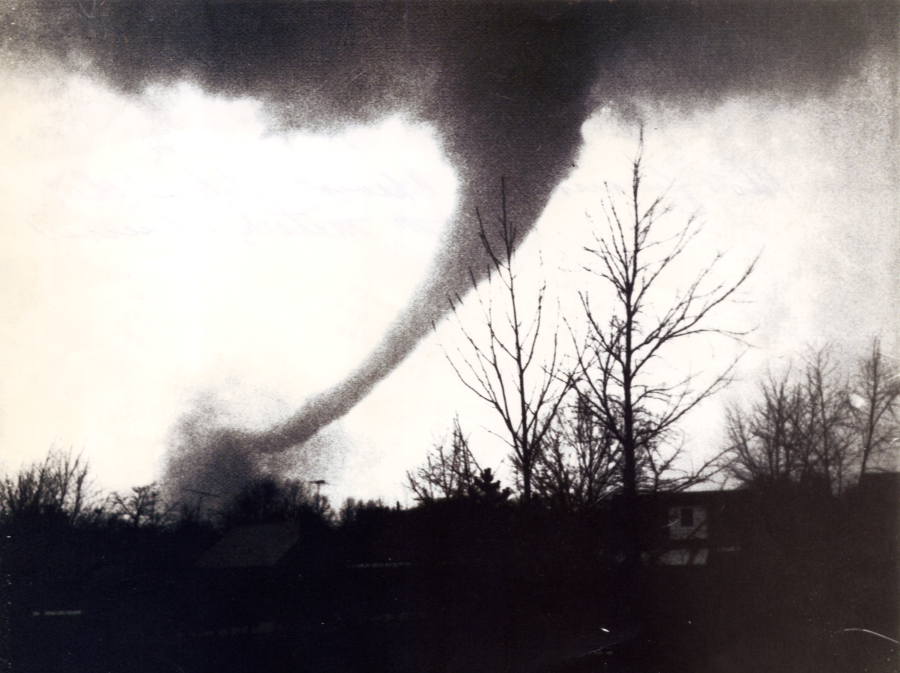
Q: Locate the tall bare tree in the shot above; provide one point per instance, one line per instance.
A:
(512, 365)
(874, 408)
(627, 336)
(825, 420)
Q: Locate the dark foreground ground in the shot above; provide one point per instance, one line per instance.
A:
(475, 630)
(804, 588)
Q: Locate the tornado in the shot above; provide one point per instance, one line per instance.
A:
(507, 86)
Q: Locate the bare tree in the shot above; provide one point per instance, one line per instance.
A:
(765, 443)
(581, 465)
(58, 487)
(514, 367)
(874, 408)
(815, 426)
(626, 338)
(448, 472)
(825, 420)
(271, 500)
(143, 506)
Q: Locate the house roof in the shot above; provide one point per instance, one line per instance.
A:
(259, 546)
(706, 497)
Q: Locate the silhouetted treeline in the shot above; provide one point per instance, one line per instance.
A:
(825, 423)
(791, 578)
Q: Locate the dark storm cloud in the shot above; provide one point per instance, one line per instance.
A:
(321, 63)
(507, 86)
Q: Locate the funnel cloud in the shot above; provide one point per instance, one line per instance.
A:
(506, 85)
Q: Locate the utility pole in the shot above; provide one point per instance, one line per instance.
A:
(319, 484)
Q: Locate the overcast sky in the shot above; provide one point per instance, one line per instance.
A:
(169, 254)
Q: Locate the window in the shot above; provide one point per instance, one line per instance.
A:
(688, 523)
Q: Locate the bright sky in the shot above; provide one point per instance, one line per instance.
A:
(161, 251)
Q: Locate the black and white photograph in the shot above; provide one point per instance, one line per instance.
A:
(461, 336)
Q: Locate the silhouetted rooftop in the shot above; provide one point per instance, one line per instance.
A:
(258, 546)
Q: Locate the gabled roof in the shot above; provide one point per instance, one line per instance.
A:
(259, 546)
